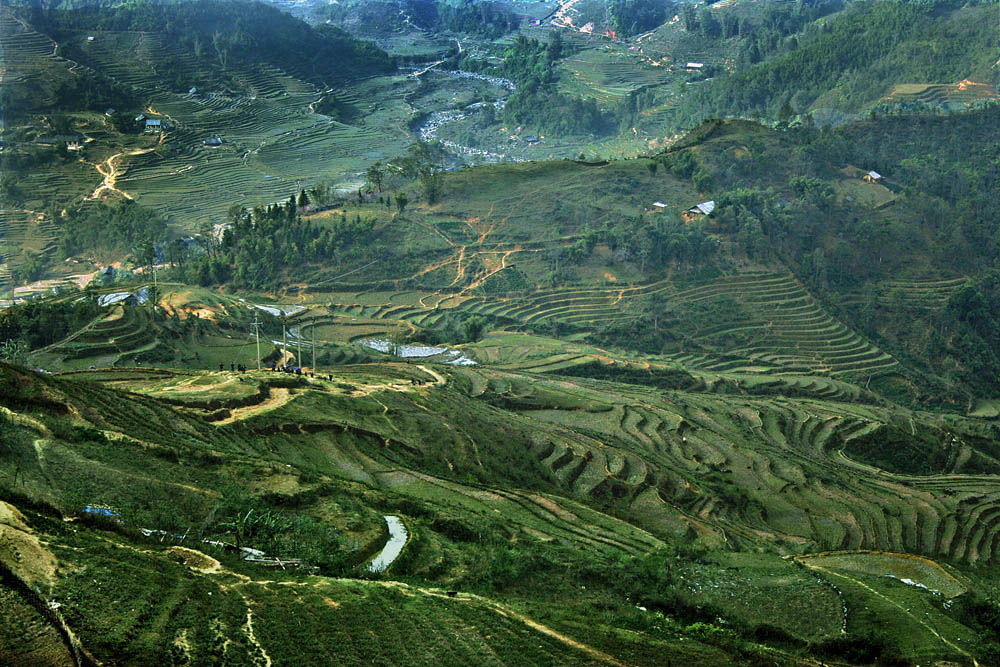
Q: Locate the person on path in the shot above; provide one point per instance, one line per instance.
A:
(221, 367)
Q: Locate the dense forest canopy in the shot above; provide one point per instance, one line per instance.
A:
(486, 19)
(631, 17)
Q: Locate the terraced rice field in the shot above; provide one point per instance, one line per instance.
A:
(274, 144)
(607, 77)
(121, 335)
(743, 470)
(22, 47)
(929, 294)
(23, 230)
(740, 471)
(944, 94)
(787, 330)
(26, 53)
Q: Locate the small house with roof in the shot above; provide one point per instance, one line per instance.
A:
(873, 177)
(58, 139)
(704, 208)
(154, 125)
(212, 141)
(700, 210)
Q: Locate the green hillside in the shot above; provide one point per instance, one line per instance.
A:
(595, 481)
(459, 352)
(205, 30)
(851, 61)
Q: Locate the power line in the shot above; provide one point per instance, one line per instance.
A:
(256, 328)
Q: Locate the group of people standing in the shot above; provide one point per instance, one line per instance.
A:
(287, 368)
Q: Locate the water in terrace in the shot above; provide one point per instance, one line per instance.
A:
(393, 547)
(448, 356)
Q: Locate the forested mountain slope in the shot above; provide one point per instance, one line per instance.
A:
(853, 60)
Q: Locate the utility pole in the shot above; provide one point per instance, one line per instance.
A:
(256, 328)
(298, 359)
(313, 331)
(284, 339)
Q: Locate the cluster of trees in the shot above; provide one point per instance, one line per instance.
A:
(631, 17)
(487, 19)
(120, 226)
(650, 245)
(259, 244)
(335, 107)
(685, 165)
(536, 104)
(55, 90)
(231, 34)
(93, 92)
(423, 162)
(654, 245)
(973, 316)
(41, 323)
(761, 37)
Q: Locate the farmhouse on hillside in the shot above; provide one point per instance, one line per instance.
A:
(704, 208)
(701, 210)
(873, 177)
(59, 139)
(694, 67)
(154, 125)
(212, 141)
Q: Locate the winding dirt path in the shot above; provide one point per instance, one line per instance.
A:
(261, 658)
(562, 18)
(109, 171)
(277, 397)
(438, 378)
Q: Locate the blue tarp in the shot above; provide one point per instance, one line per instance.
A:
(102, 511)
